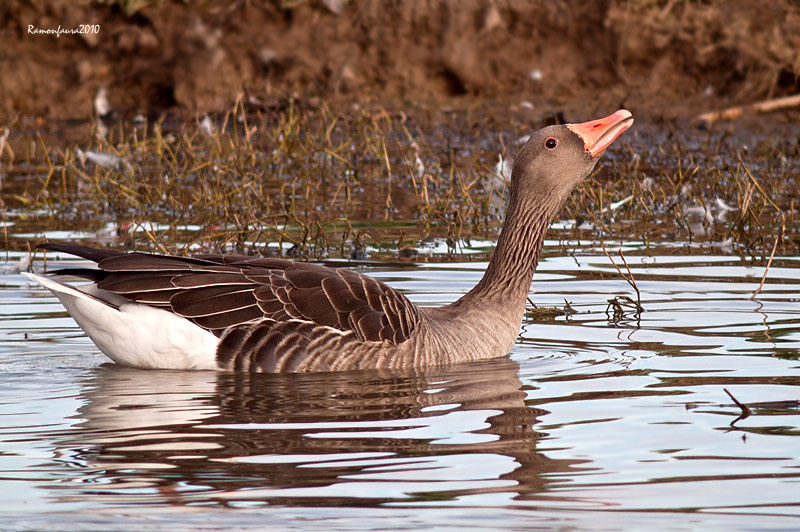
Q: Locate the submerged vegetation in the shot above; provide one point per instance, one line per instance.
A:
(316, 182)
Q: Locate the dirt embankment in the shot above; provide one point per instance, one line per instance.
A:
(155, 55)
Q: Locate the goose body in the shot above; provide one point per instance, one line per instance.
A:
(241, 313)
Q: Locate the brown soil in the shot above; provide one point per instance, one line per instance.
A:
(157, 55)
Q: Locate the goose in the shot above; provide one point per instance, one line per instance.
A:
(265, 314)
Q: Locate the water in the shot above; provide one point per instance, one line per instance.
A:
(596, 421)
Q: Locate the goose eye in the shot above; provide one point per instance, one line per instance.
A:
(550, 143)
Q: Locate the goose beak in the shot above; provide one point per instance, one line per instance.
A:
(597, 135)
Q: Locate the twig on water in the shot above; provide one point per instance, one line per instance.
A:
(769, 263)
(537, 313)
(744, 408)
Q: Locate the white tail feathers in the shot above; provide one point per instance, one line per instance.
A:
(135, 334)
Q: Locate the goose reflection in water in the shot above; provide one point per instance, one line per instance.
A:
(163, 437)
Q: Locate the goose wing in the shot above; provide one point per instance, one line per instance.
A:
(221, 291)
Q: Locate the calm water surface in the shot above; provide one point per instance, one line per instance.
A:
(598, 421)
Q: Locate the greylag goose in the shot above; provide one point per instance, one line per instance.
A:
(240, 313)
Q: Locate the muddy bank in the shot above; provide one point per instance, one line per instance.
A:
(152, 56)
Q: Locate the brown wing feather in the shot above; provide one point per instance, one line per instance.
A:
(128, 283)
(222, 291)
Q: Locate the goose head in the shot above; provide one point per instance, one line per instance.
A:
(557, 158)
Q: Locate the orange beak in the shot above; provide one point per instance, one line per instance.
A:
(597, 135)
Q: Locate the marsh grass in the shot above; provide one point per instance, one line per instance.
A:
(309, 178)
(319, 182)
(708, 189)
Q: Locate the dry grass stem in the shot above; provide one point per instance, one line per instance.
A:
(769, 263)
(628, 278)
(755, 182)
